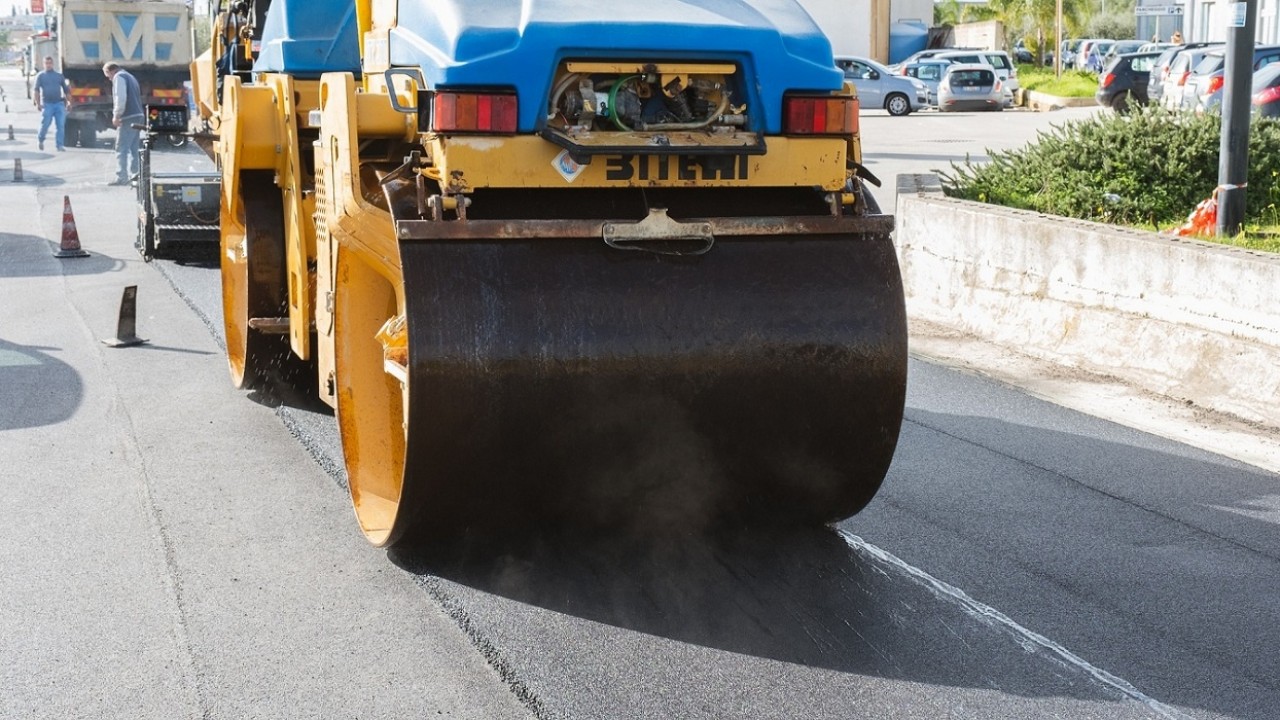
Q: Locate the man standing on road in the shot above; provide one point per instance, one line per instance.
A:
(126, 112)
(51, 90)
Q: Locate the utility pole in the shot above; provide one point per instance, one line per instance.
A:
(1233, 160)
(1057, 48)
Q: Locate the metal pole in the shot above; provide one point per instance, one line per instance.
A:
(1057, 48)
(1233, 161)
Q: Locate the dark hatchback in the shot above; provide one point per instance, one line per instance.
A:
(1123, 82)
(1266, 91)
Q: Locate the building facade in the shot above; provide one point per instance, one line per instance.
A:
(1206, 20)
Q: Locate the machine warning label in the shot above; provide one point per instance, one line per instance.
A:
(567, 167)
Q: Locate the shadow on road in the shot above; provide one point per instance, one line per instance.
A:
(36, 389)
(31, 256)
(1173, 605)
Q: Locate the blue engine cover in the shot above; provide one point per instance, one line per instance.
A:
(500, 43)
(306, 39)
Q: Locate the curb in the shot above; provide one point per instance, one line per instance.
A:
(1043, 102)
(1190, 321)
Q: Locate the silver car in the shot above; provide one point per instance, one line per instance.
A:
(929, 72)
(1175, 81)
(880, 88)
(970, 87)
(997, 59)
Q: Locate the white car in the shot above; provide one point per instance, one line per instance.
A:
(878, 87)
(997, 59)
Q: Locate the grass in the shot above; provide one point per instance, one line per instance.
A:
(1073, 83)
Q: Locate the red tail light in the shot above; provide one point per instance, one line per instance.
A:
(1269, 95)
(1183, 80)
(473, 112)
(819, 116)
(1215, 84)
(1107, 79)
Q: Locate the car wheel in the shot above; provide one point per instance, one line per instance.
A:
(897, 104)
(1120, 103)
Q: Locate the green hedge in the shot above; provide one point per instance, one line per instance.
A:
(1148, 168)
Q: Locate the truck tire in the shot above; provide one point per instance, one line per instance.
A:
(897, 104)
(72, 133)
(88, 135)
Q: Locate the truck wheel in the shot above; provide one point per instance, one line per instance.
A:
(88, 136)
(72, 131)
(897, 104)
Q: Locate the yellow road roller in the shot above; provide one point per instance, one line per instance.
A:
(559, 260)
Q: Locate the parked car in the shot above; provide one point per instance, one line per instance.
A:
(1175, 82)
(973, 86)
(1022, 54)
(1095, 53)
(915, 57)
(1086, 48)
(1210, 75)
(929, 72)
(1123, 82)
(1067, 50)
(1266, 91)
(1122, 47)
(1159, 71)
(998, 59)
(880, 88)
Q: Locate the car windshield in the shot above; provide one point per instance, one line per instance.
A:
(1142, 63)
(1209, 64)
(971, 78)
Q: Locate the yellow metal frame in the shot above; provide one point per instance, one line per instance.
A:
(531, 162)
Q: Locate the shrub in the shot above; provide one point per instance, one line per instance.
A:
(1073, 83)
(1150, 167)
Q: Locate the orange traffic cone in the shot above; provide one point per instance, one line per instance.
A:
(70, 247)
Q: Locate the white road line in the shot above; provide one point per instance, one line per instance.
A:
(991, 616)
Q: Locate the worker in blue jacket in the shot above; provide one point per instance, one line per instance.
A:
(51, 93)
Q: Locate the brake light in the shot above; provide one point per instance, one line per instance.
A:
(1183, 80)
(820, 115)
(1215, 84)
(473, 112)
(999, 87)
(1107, 79)
(1268, 95)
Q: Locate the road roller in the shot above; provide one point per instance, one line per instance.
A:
(559, 259)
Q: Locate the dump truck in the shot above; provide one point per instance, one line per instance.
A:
(547, 257)
(150, 38)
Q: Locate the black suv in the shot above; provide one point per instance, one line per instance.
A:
(1124, 81)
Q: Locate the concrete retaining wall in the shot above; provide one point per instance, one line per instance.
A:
(1186, 319)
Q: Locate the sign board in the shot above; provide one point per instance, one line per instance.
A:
(1149, 10)
(1236, 14)
(37, 7)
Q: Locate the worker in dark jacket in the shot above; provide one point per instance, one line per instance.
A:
(126, 112)
(51, 90)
